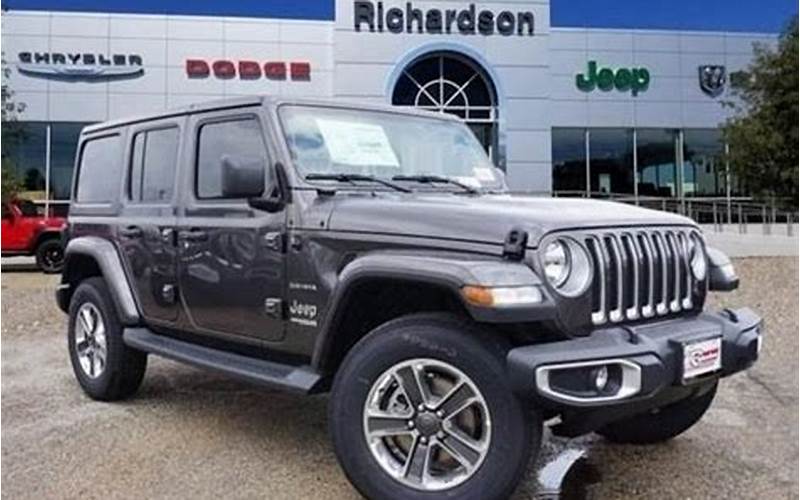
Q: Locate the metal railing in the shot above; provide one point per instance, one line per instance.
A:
(740, 214)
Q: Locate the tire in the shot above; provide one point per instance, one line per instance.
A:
(444, 348)
(50, 256)
(121, 372)
(661, 425)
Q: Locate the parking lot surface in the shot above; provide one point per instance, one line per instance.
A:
(193, 434)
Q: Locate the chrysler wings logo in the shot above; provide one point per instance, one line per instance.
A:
(80, 66)
(712, 79)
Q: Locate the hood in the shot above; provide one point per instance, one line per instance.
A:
(484, 218)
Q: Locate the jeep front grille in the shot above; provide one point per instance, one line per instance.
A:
(639, 273)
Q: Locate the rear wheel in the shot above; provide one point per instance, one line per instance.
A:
(50, 256)
(421, 409)
(105, 367)
(660, 424)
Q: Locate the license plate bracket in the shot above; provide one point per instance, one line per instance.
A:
(701, 357)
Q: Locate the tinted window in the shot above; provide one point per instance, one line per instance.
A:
(611, 160)
(569, 160)
(98, 174)
(155, 154)
(63, 146)
(237, 137)
(657, 163)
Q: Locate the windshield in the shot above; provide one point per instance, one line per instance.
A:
(385, 145)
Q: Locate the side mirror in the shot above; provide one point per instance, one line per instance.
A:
(277, 196)
(243, 176)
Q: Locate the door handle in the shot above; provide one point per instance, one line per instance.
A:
(194, 235)
(131, 232)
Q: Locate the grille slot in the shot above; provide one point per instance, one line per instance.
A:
(639, 274)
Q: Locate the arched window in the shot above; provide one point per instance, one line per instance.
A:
(447, 82)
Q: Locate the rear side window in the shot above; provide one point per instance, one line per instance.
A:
(215, 140)
(153, 162)
(99, 170)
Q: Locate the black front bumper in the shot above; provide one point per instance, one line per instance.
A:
(653, 349)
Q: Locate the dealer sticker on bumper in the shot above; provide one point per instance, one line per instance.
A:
(699, 358)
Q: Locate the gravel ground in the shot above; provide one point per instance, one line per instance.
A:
(194, 434)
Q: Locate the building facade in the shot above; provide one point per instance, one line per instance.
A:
(570, 111)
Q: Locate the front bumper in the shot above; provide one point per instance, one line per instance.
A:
(650, 355)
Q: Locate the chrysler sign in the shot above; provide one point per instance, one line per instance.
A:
(80, 65)
(374, 16)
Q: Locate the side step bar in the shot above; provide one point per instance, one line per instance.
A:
(302, 379)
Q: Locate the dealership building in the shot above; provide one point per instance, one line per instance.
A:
(562, 110)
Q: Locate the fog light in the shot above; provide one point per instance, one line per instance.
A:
(600, 378)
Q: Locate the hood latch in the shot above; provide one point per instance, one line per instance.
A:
(515, 243)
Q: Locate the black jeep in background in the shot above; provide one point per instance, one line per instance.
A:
(376, 253)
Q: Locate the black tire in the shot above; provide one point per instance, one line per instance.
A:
(50, 256)
(662, 424)
(124, 367)
(515, 430)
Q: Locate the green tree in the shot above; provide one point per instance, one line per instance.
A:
(763, 132)
(12, 132)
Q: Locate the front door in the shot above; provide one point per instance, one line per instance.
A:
(146, 227)
(231, 256)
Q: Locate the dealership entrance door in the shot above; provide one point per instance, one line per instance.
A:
(448, 82)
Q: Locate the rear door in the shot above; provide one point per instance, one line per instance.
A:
(146, 226)
(231, 256)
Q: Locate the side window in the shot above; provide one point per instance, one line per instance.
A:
(153, 162)
(215, 140)
(6, 212)
(99, 170)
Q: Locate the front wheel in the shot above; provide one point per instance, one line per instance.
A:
(421, 409)
(661, 424)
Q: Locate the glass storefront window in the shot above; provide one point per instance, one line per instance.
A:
(611, 160)
(656, 162)
(569, 160)
(63, 146)
(25, 151)
(703, 167)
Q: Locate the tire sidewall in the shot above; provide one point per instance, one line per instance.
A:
(41, 260)
(92, 290)
(512, 427)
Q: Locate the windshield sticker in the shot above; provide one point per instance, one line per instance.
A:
(353, 143)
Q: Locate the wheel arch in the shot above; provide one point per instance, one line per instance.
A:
(413, 283)
(88, 256)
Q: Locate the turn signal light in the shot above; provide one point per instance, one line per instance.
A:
(482, 296)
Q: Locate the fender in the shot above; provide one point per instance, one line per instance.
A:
(107, 258)
(448, 271)
(46, 234)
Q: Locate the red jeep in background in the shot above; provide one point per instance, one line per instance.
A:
(26, 231)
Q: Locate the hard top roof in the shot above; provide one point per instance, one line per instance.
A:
(235, 102)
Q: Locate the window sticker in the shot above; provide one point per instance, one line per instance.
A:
(353, 143)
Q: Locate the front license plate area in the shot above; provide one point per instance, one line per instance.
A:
(701, 357)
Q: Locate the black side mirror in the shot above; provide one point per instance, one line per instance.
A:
(278, 194)
(242, 176)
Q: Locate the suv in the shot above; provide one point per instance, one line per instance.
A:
(376, 253)
(27, 232)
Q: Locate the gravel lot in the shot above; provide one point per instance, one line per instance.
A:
(193, 434)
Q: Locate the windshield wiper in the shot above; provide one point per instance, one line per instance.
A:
(353, 178)
(431, 179)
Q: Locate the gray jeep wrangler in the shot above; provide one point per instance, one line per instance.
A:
(376, 253)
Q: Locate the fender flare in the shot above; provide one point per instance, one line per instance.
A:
(46, 234)
(447, 271)
(105, 254)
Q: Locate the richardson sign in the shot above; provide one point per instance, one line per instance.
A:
(80, 65)
(468, 21)
(248, 70)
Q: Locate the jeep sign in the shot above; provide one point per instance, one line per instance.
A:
(375, 17)
(634, 79)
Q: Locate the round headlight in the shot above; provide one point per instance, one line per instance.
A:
(697, 258)
(556, 263)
